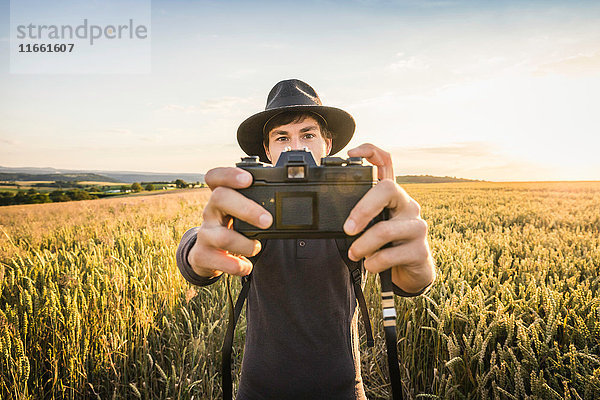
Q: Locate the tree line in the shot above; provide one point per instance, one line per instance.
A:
(32, 196)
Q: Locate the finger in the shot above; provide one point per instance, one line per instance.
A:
(376, 156)
(219, 237)
(235, 178)
(227, 202)
(220, 260)
(393, 230)
(405, 255)
(385, 194)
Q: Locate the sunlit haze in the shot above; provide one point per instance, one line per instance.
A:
(475, 89)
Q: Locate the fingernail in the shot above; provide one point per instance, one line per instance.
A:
(244, 179)
(265, 220)
(350, 226)
(351, 255)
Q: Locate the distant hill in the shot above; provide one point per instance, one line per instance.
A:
(431, 179)
(52, 174)
(55, 177)
(130, 177)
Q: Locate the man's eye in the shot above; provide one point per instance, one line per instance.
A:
(309, 135)
(281, 139)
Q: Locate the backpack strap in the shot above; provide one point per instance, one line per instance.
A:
(355, 268)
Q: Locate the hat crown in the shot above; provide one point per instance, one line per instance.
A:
(292, 92)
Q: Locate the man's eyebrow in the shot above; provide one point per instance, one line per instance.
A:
(308, 128)
(284, 132)
(278, 132)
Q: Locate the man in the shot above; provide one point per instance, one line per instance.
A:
(301, 338)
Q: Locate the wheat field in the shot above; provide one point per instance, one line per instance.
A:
(92, 304)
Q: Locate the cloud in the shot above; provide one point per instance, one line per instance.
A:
(155, 138)
(410, 3)
(476, 160)
(407, 63)
(220, 105)
(10, 142)
(273, 45)
(434, 4)
(207, 36)
(241, 73)
(177, 108)
(454, 149)
(223, 103)
(511, 169)
(485, 65)
(577, 65)
(119, 131)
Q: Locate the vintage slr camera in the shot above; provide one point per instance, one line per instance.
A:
(306, 200)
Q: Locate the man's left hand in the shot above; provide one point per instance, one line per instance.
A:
(406, 232)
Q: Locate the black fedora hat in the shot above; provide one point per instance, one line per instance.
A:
(294, 95)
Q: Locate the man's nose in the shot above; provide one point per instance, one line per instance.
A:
(295, 144)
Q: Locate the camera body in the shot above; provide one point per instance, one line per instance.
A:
(306, 200)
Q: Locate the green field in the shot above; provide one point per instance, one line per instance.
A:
(92, 304)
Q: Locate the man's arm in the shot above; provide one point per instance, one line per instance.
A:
(207, 251)
(408, 255)
(185, 245)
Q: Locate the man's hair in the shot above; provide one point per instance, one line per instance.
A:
(288, 117)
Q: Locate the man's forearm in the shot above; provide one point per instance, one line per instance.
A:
(185, 245)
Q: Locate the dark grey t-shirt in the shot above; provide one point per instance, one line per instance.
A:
(301, 338)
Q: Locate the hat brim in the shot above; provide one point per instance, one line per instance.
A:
(339, 122)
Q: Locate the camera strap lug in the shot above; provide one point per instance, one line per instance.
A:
(364, 311)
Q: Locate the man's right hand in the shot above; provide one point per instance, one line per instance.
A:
(218, 247)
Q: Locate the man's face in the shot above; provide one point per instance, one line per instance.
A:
(298, 135)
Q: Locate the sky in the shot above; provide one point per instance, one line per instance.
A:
(502, 91)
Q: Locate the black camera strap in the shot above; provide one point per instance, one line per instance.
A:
(389, 327)
(355, 268)
(234, 315)
(389, 313)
